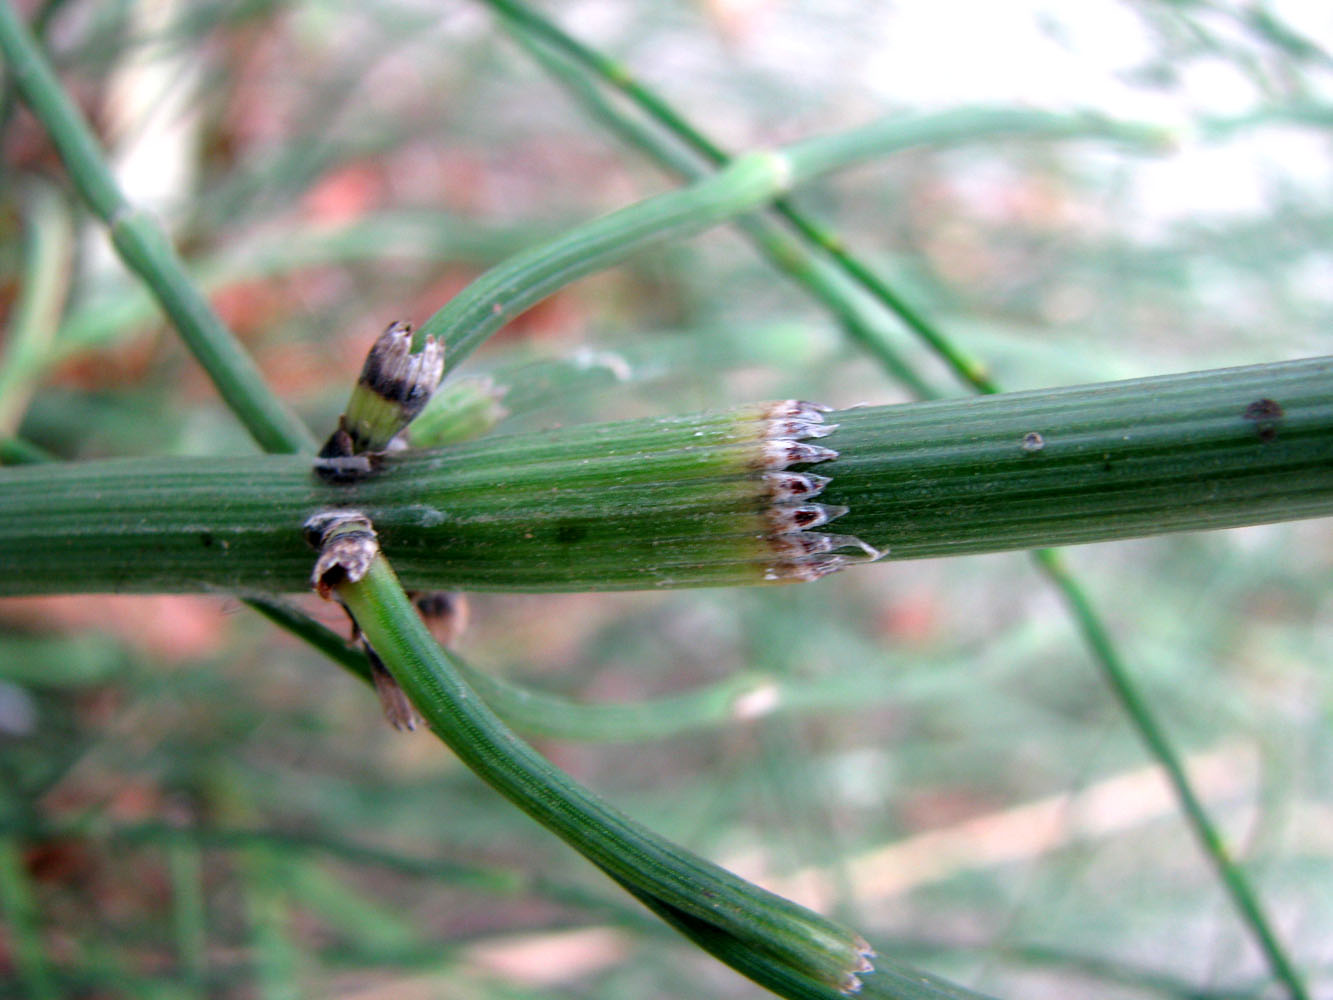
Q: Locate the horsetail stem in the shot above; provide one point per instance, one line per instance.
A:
(351, 568)
(691, 500)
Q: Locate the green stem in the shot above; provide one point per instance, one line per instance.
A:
(777, 929)
(538, 714)
(188, 913)
(1137, 708)
(743, 185)
(621, 78)
(860, 324)
(47, 260)
(145, 249)
(676, 502)
(16, 451)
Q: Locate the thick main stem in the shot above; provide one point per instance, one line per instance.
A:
(645, 504)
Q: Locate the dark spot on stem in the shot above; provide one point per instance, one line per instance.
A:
(1266, 415)
(206, 539)
(569, 533)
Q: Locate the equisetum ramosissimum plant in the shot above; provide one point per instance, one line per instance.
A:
(410, 500)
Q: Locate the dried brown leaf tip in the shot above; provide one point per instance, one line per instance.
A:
(347, 546)
(800, 552)
(394, 386)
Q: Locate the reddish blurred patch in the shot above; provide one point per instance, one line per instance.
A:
(913, 619)
(123, 365)
(251, 306)
(345, 194)
(172, 628)
(59, 860)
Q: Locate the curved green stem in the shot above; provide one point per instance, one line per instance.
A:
(538, 714)
(47, 262)
(743, 185)
(775, 928)
(145, 249)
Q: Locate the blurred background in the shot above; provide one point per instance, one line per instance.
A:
(195, 805)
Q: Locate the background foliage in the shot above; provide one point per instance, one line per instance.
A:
(194, 805)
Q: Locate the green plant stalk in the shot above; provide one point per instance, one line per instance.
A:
(890, 981)
(380, 237)
(972, 373)
(16, 451)
(539, 714)
(1137, 708)
(669, 503)
(778, 247)
(773, 927)
(43, 286)
(145, 249)
(743, 185)
(837, 149)
(188, 913)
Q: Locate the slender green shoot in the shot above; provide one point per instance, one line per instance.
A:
(771, 928)
(1136, 707)
(43, 287)
(861, 323)
(17, 451)
(145, 248)
(745, 184)
(188, 916)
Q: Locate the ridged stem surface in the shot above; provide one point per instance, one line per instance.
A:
(679, 502)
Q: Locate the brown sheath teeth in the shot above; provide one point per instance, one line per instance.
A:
(800, 553)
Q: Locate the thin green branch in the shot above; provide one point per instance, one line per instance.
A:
(43, 286)
(539, 714)
(973, 374)
(145, 249)
(743, 185)
(862, 325)
(1140, 712)
(17, 451)
(188, 912)
(781, 931)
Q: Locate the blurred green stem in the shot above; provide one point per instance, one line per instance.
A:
(1137, 708)
(145, 249)
(16, 451)
(538, 714)
(43, 286)
(862, 325)
(747, 183)
(187, 912)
